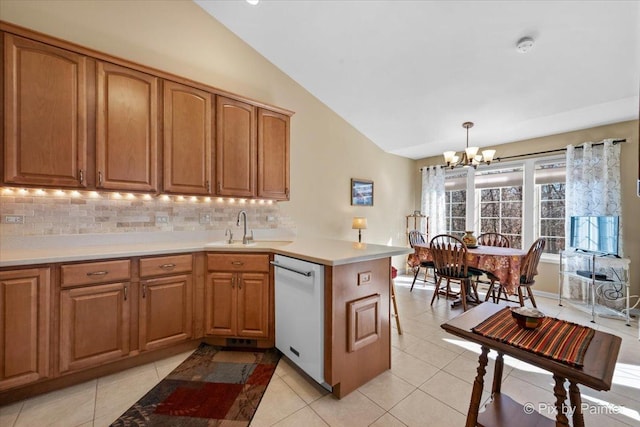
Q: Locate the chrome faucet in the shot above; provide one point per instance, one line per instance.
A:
(245, 239)
(230, 234)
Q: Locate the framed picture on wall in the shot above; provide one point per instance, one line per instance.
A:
(361, 192)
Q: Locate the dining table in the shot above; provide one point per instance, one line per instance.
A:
(503, 263)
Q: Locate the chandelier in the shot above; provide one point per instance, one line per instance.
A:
(470, 156)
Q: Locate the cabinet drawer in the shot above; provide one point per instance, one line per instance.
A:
(238, 262)
(95, 272)
(159, 266)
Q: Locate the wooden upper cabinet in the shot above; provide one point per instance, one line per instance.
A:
(45, 105)
(187, 139)
(126, 129)
(273, 155)
(235, 148)
(80, 120)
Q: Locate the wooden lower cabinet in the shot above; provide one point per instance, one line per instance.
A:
(237, 305)
(357, 323)
(25, 301)
(165, 311)
(253, 305)
(238, 296)
(94, 325)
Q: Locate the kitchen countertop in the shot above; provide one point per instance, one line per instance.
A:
(23, 251)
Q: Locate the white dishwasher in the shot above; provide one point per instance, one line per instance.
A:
(299, 307)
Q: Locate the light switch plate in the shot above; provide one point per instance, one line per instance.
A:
(14, 219)
(364, 278)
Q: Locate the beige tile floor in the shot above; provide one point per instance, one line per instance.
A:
(429, 383)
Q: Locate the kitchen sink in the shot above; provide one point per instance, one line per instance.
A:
(234, 244)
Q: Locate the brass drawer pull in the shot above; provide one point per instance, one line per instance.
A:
(168, 266)
(97, 273)
(237, 263)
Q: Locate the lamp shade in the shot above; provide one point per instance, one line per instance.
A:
(487, 155)
(359, 223)
(448, 156)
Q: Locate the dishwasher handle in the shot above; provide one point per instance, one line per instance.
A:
(304, 273)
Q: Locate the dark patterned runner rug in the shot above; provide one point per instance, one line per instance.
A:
(212, 387)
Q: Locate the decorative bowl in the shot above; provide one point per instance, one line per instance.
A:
(528, 318)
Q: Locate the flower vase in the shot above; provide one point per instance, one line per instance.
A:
(469, 239)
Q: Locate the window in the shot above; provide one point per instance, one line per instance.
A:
(456, 211)
(455, 185)
(500, 192)
(550, 211)
(522, 200)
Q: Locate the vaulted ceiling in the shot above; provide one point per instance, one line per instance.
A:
(407, 74)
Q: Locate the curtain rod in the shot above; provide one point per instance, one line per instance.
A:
(615, 141)
(558, 150)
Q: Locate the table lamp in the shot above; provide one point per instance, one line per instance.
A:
(359, 223)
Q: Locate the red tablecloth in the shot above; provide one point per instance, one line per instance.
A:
(504, 263)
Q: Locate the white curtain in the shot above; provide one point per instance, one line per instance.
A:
(433, 199)
(593, 182)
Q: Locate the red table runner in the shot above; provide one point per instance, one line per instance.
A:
(557, 339)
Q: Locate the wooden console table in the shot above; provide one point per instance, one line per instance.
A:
(597, 372)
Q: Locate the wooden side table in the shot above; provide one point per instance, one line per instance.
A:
(597, 373)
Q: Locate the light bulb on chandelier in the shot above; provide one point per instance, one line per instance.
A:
(470, 156)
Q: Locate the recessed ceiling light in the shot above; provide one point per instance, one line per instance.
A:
(253, 2)
(524, 45)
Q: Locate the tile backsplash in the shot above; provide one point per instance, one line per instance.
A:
(67, 213)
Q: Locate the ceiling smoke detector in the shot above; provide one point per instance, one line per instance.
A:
(524, 45)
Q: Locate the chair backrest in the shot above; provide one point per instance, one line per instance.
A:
(494, 239)
(449, 256)
(415, 236)
(529, 267)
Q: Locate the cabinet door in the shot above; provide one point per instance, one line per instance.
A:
(235, 148)
(253, 305)
(187, 139)
(273, 155)
(45, 107)
(24, 326)
(221, 301)
(127, 129)
(165, 311)
(94, 325)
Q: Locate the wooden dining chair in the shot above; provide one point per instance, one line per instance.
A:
(415, 236)
(528, 271)
(450, 262)
(493, 239)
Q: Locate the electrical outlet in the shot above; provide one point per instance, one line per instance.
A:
(271, 218)
(205, 218)
(162, 219)
(14, 219)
